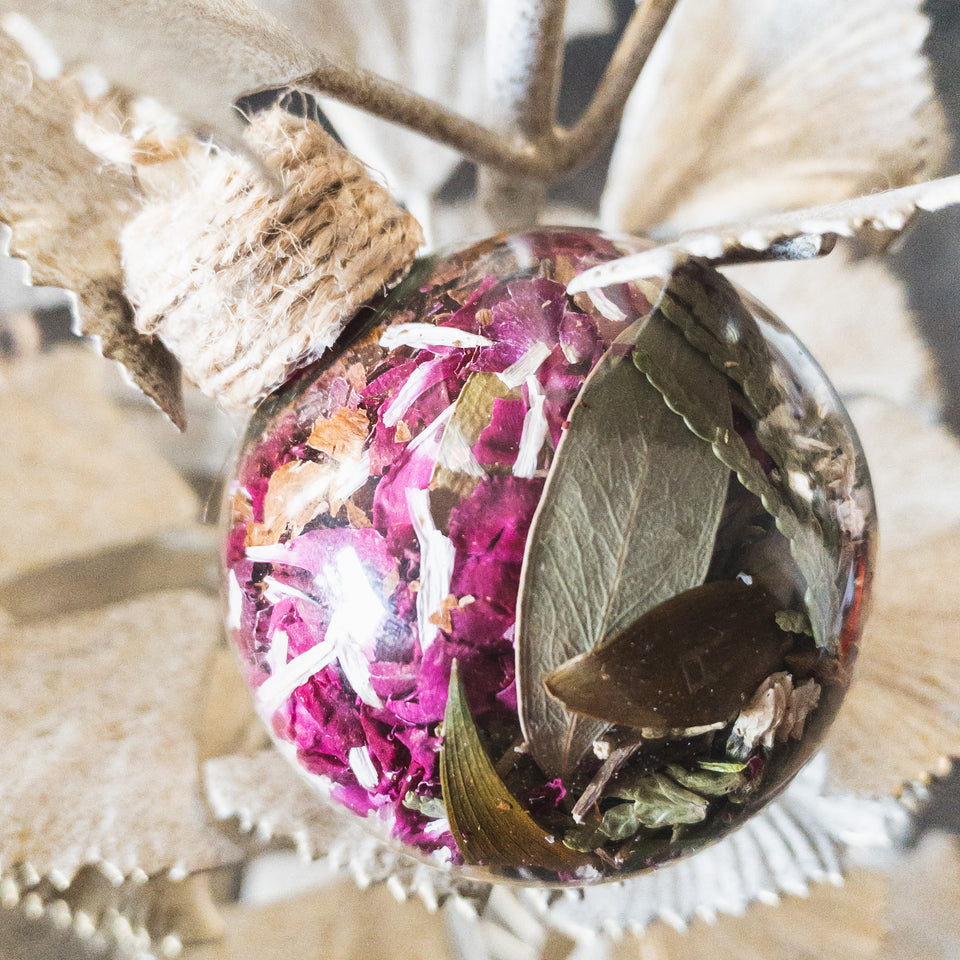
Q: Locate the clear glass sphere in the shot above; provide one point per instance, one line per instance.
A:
(551, 589)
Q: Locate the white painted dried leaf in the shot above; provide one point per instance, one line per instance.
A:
(107, 918)
(748, 107)
(853, 316)
(264, 794)
(799, 232)
(901, 718)
(915, 469)
(65, 211)
(832, 923)
(77, 477)
(435, 47)
(97, 723)
(923, 919)
(195, 56)
(35, 931)
(337, 920)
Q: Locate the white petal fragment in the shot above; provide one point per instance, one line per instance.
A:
(533, 433)
(527, 365)
(427, 335)
(890, 210)
(277, 688)
(437, 555)
(747, 107)
(362, 766)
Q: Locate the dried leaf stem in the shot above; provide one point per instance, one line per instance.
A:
(549, 157)
(524, 57)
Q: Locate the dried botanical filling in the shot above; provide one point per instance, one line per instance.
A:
(551, 588)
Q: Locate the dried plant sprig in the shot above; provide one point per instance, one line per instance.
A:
(798, 234)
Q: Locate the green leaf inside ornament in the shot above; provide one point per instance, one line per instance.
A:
(682, 348)
(628, 519)
(488, 823)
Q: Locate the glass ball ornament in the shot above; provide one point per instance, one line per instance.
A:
(551, 589)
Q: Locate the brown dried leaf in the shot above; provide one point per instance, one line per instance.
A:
(490, 825)
(66, 211)
(748, 107)
(341, 436)
(692, 660)
(263, 792)
(195, 56)
(97, 739)
(901, 719)
(796, 235)
(833, 923)
(74, 474)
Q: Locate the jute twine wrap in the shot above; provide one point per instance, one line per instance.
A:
(244, 281)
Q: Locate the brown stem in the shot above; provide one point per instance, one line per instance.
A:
(602, 117)
(523, 60)
(552, 154)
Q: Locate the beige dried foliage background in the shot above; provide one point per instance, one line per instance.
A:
(105, 702)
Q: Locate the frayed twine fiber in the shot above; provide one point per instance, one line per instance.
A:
(244, 281)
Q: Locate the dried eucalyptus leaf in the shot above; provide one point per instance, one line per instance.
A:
(628, 519)
(337, 920)
(711, 315)
(195, 56)
(619, 822)
(488, 823)
(794, 621)
(97, 727)
(263, 793)
(832, 922)
(660, 802)
(681, 374)
(747, 107)
(707, 782)
(758, 239)
(691, 661)
(822, 300)
(65, 212)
